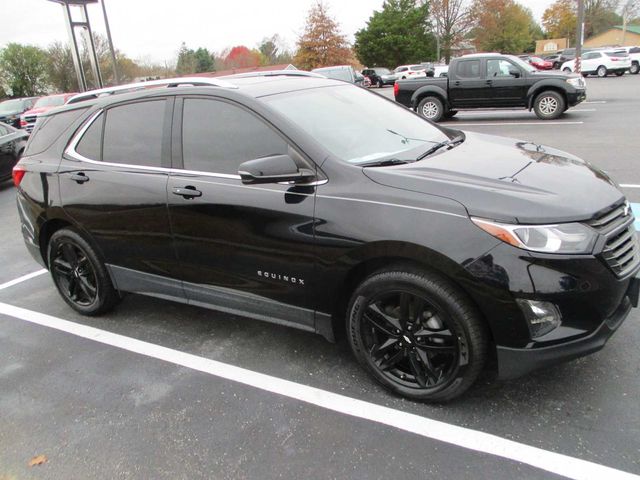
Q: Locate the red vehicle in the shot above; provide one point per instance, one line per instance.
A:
(44, 104)
(537, 62)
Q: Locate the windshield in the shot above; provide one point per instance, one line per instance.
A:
(11, 106)
(521, 63)
(50, 101)
(355, 125)
(382, 71)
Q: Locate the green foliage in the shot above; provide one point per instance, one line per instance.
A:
(204, 60)
(23, 70)
(399, 34)
(187, 62)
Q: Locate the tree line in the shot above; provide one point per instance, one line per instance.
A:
(401, 32)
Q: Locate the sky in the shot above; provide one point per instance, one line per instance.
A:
(152, 30)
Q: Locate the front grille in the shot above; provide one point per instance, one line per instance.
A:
(30, 118)
(621, 251)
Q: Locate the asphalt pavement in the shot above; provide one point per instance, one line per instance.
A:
(164, 398)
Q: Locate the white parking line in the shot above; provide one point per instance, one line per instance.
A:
(497, 124)
(569, 467)
(629, 185)
(518, 112)
(23, 278)
(596, 101)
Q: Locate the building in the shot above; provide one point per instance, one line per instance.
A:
(550, 46)
(614, 37)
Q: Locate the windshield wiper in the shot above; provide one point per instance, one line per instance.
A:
(447, 143)
(383, 163)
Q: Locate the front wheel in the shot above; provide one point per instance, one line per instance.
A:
(566, 69)
(635, 68)
(380, 84)
(417, 334)
(549, 105)
(79, 274)
(602, 71)
(431, 108)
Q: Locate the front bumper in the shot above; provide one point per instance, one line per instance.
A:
(576, 97)
(515, 362)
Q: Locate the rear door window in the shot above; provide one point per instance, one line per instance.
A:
(468, 69)
(133, 133)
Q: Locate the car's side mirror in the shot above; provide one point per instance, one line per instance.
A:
(359, 78)
(514, 72)
(273, 169)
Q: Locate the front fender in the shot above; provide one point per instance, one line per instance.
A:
(549, 84)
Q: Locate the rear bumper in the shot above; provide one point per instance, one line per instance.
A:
(515, 362)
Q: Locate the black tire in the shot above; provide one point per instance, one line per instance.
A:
(585, 75)
(79, 275)
(380, 84)
(635, 68)
(619, 73)
(431, 108)
(566, 69)
(549, 105)
(437, 369)
(602, 71)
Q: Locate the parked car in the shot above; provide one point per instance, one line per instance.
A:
(12, 143)
(42, 105)
(555, 61)
(601, 63)
(312, 203)
(440, 70)
(634, 55)
(537, 62)
(346, 73)
(379, 76)
(10, 110)
(491, 81)
(409, 71)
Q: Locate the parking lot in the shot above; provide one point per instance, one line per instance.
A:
(161, 390)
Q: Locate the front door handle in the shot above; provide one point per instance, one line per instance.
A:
(79, 178)
(187, 192)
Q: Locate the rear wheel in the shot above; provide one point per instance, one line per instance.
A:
(416, 334)
(79, 275)
(635, 68)
(431, 108)
(602, 71)
(549, 105)
(566, 69)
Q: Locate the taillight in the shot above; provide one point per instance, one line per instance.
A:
(23, 123)
(17, 174)
(396, 88)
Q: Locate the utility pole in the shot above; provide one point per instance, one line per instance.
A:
(113, 51)
(579, 37)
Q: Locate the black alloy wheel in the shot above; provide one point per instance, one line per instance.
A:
(417, 335)
(79, 275)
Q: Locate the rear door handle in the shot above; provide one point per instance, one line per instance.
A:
(457, 83)
(187, 192)
(79, 178)
(489, 82)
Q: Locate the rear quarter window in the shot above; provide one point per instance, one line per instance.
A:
(49, 129)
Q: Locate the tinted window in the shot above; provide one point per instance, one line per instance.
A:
(634, 50)
(91, 142)
(218, 137)
(468, 69)
(498, 68)
(49, 128)
(133, 134)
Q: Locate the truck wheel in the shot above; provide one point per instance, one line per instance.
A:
(549, 105)
(602, 71)
(431, 108)
(619, 73)
(635, 68)
(417, 334)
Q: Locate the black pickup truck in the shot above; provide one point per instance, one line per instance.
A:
(491, 81)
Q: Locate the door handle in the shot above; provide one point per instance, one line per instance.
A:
(489, 82)
(187, 192)
(79, 178)
(457, 83)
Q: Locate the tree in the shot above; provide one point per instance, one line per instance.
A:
(322, 43)
(559, 20)
(62, 73)
(24, 70)
(241, 57)
(452, 22)
(269, 48)
(600, 16)
(502, 25)
(398, 34)
(204, 60)
(629, 9)
(187, 62)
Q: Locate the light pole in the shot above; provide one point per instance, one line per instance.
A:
(579, 36)
(75, 50)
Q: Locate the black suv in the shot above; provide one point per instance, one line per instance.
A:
(313, 203)
(10, 110)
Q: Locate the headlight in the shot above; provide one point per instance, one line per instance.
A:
(576, 82)
(561, 238)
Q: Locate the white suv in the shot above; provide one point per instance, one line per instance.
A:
(410, 71)
(601, 63)
(634, 54)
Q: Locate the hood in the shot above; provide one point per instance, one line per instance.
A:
(555, 74)
(508, 180)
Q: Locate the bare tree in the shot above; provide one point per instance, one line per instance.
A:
(452, 21)
(629, 9)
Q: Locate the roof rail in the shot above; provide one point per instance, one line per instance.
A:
(275, 73)
(167, 82)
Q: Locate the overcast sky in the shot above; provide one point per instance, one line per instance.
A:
(152, 30)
